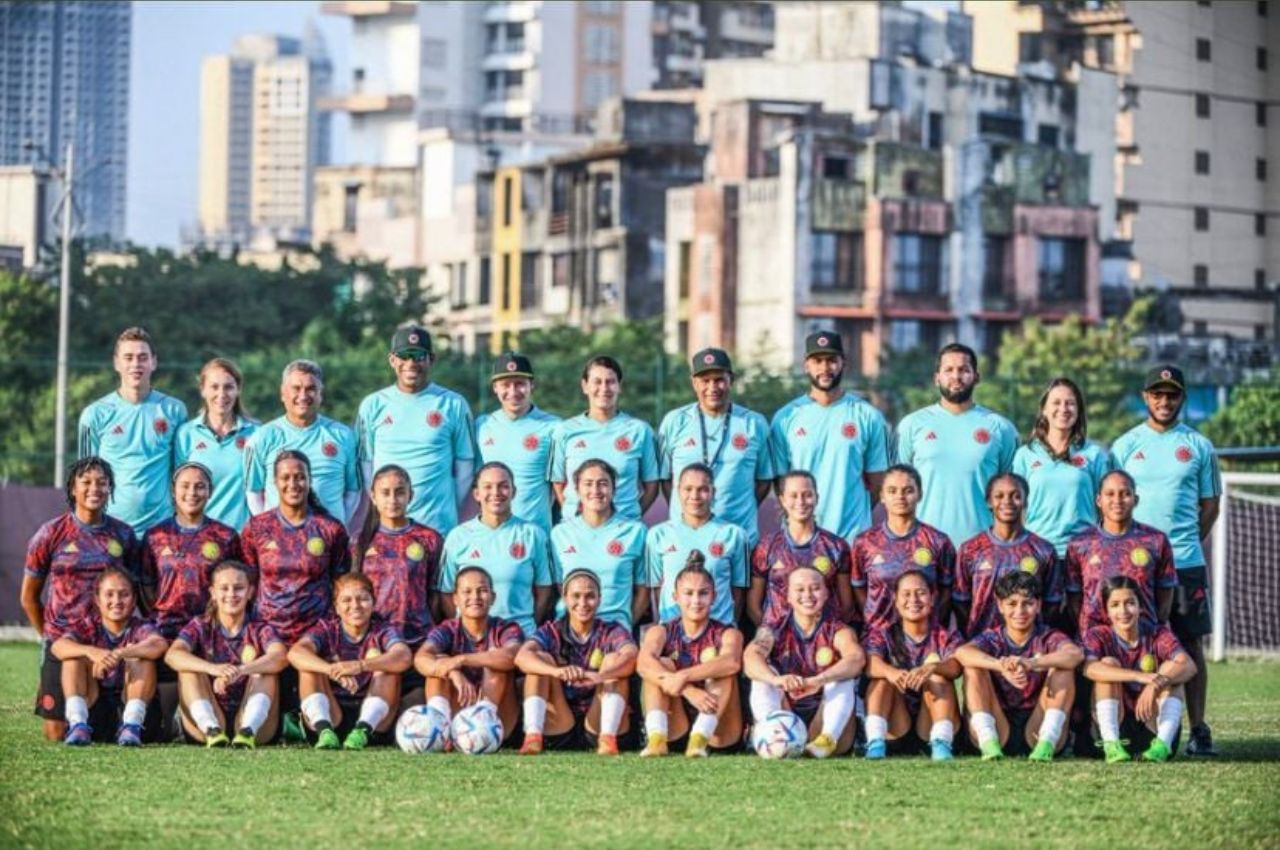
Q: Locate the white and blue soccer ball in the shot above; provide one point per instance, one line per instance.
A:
(422, 729)
(780, 735)
(477, 730)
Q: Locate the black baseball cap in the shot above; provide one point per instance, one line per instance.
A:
(413, 339)
(711, 360)
(823, 342)
(511, 365)
(1166, 375)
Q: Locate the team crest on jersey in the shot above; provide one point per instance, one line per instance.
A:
(488, 441)
(1148, 663)
(922, 557)
(982, 436)
(270, 546)
(740, 442)
(670, 549)
(371, 552)
(1140, 557)
(716, 549)
(517, 550)
(240, 441)
(414, 551)
(211, 550)
(1028, 564)
(329, 450)
(531, 442)
(1095, 560)
(708, 654)
(984, 566)
(822, 564)
(849, 430)
(1036, 464)
(1183, 454)
(824, 656)
(372, 652)
(877, 560)
(315, 546)
(622, 444)
(161, 425)
(434, 419)
(596, 659)
(614, 548)
(1077, 461)
(247, 654)
(114, 549)
(475, 553)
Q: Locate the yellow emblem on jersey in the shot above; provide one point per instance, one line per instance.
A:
(922, 556)
(596, 659)
(211, 550)
(1140, 557)
(822, 564)
(315, 545)
(707, 655)
(824, 656)
(247, 654)
(1028, 564)
(114, 548)
(372, 652)
(414, 551)
(933, 658)
(674, 657)
(1148, 663)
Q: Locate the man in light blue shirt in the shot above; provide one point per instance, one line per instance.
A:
(729, 438)
(133, 429)
(421, 427)
(957, 446)
(329, 445)
(1175, 469)
(519, 435)
(836, 436)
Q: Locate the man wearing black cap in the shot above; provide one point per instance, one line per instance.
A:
(837, 436)
(1175, 469)
(730, 439)
(422, 427)
(519, 435)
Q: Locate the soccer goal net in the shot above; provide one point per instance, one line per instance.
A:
(1246, 566)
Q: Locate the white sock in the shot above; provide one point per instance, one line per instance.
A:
(135, 712)
(442, 705)
(612, 707)
(764, 699)
(1108, 713)
(1169, 720)
(257, 707)
(655, 722)
(837, 707)
(877, 727)
(983, 724)
(942, 730)
(316, 709)
(77, 710)
(203, 714)
(1051, 726)
(372, 711)
(535, 715)
(705, 725)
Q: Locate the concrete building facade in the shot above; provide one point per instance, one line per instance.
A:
(687, 33)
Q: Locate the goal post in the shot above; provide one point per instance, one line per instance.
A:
(1246, 566)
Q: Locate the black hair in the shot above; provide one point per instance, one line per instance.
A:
(897, 638)
(596, 463)
(80, 467)
(372, 519)
(313, 501)
(211, 609)
(493, 464)
(908, 470)
(1018, 480)
(695, 565)
(956, 348)
(1018, 582)
(1133, 485)
(474, 569)
(117, 572)
(1115, 583)
(1079, 431)
(700, 468)
(607, 362)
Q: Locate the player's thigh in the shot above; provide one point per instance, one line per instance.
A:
(560, 718)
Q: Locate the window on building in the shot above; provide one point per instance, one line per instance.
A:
(514, 34)
(561, 267)
(684, 259)
(1260, 169)
(1204, 52)
(1030, 47)
(904, 335)
(935, 131)
(918, 263)
(482, 297)
(597, 87)
(604, 201)
(1200, 327)
(1262, 59)
(1259, 279)
(1202, 162)
(837, 167)
(1047, 135)
(1260, 113)
(995, 250)
(484, 341)
(350, 202)
(602, 8)
(1062, 269)
(434, 52)
(601, 44)
(560, 185)
(1259, 224)
(1003, 126)
(1202, 218)
(1200, 276)
(506, 282)
(530, 281)
(835, 262)
(1202, 106)
(508, 199)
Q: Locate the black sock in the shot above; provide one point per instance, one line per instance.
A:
(321, 725)
(365, 726)
(212, 732)
(246, 731)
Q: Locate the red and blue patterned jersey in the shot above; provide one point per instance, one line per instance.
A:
(451, 638)
(997, 643)
(1142, 553)
(176, 563)
(332, 643)
(1155, 646)
(70, 556)
(897, 648)
(776, 557)
(207, 639)
(800, 654)
(404, 565)
(880, 557)
(984, 558)
(557, 639)
(684, 650)
(91, 631)
(296, 568)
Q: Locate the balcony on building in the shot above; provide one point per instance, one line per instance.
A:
(370, 9)
(516, 11)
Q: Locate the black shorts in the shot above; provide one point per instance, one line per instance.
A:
(577, 738)
(909, 744)
(692, 714)
(1191, 618)
(1017, 744)
(49, 701)
(106, 713)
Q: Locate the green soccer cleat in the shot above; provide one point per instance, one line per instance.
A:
(328, 740)
(1043, 752)
(1158, 751)
(1115, 752)
(215, 739)
(357, 739)
(293, 731)
(244, 740)
(991, 750)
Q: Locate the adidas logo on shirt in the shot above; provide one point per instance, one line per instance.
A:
(200, 446)
(387, 420)
(1140, 456)
(488, 441)
(931, 436)
(119, 429)
(572, 550)
(670, 549)
(801, 432)
(475, 553)
(691, 442)
(581, 444)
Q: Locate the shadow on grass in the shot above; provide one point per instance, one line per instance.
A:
(1246, 751)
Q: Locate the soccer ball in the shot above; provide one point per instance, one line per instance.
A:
(422, 730)
(477, 730)
(781, 735)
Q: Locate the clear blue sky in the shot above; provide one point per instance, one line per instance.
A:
(169, 42)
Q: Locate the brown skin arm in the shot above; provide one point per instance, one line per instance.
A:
(755, 600)
(648, 495)
(647, 663)
(844, 597)
(557, 490)
(942, 608)
(30, 599)
(302, 655)
(639, 602)
(544, 602)
(665, 486)
(1208, 515)
(1164, 603)
(763, 486)
(860, 597)
(874, 481)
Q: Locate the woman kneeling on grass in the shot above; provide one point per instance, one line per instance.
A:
(809, 663)
(227, 663)
(109, 665)
(472, 657)
(363, 655)
(912, 664)
(577, 672)
(1138, 671)
(690, 665)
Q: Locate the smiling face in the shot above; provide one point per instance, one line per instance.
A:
(602, 389)
(1116, 499)
(914, 599)
(301, 395)
(91, 490)
(412, 368)
(900, 495)
(219, 390)
(807, 591)
(1123, 608)
(1060, 408)
(696, 494)
(695, 593)
(293, 483)
(115, 599)
(515, 394)
(712, 389)
(956, 377)
(582, 599)
(493, 493)
(1019, 611)
(1164, 403)
(390, 495)
(191, 492)
(473, 595)
(799, 498)
(824, 371)
(354, 605)
(595, 489)
(231, 591)
(1007, 501)
(134, 362)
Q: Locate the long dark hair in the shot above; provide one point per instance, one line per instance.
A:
(897, 637)
(373, 519)
(80, 467)
(313, 501)
(211, 609)
(1079, 431)
(605, 467)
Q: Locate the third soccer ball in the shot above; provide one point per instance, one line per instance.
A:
(780, 735)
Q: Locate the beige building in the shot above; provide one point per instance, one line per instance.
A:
(25, 215)
(367, 211)
(1197, 168)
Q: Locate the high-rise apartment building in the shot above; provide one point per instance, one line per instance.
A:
(64, 77)
(687, 33)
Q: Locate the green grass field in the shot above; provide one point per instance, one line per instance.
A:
(179, 796)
